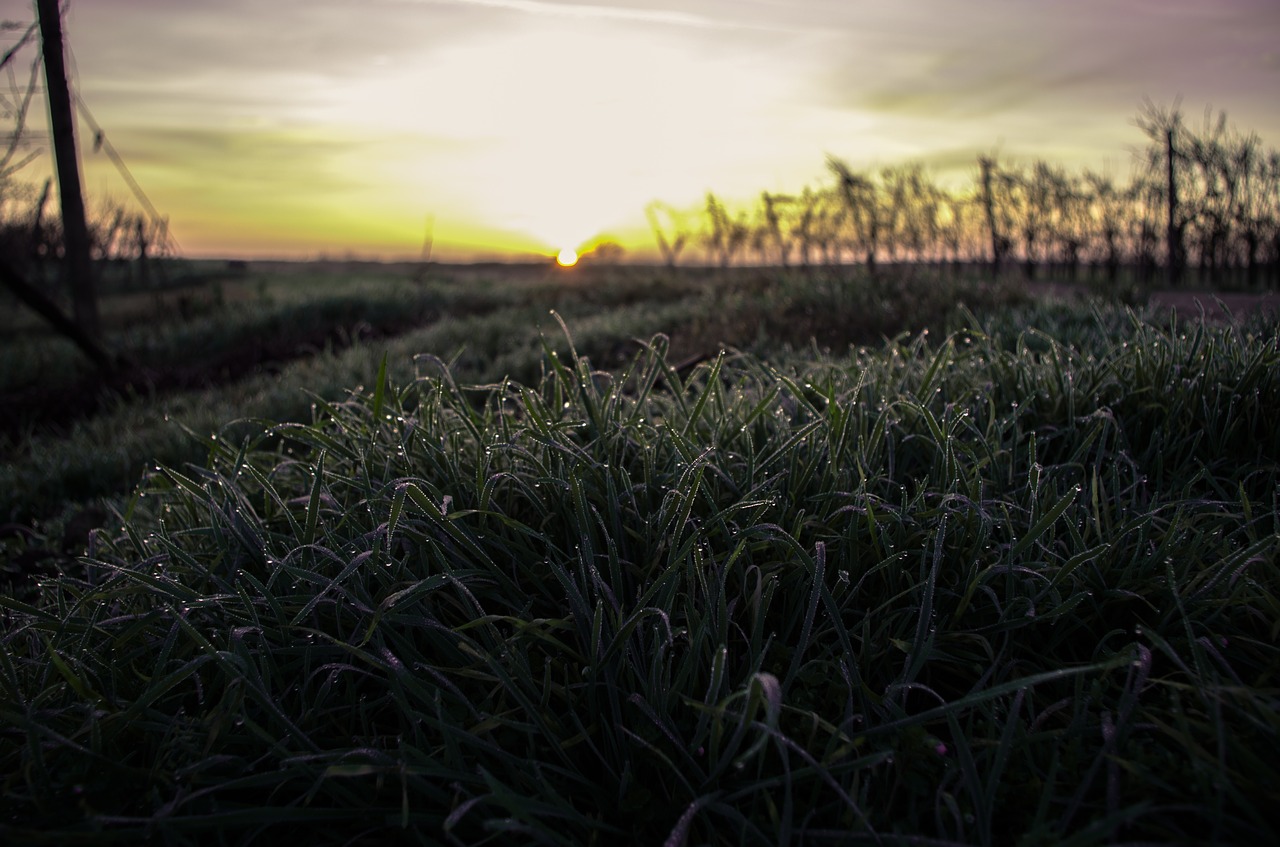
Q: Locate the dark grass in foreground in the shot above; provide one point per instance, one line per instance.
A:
(487, 327)
(990, 590)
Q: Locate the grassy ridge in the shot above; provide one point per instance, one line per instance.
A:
(995, 588)
(489, 328)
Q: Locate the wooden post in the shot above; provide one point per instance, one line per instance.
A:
(1173, 235)
(75, 230)
(987, 167)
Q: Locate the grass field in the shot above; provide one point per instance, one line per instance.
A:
(656, 568)
(262, 345)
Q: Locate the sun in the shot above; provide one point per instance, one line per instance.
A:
(567, 258)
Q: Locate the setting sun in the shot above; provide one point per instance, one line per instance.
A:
(567, 258)
(257, 147)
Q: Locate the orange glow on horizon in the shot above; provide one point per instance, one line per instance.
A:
(282, 154)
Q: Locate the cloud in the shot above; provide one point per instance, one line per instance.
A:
(225, 45)
(267, 168)
(1049, 78)
(707, 15)
(966, 84)
(592, 12)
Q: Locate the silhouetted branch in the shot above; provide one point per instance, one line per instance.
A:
(14, 280)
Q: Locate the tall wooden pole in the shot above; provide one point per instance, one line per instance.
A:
(989, 204)
(75, 230)
(1173, 235)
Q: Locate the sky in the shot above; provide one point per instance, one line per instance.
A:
(511, 128)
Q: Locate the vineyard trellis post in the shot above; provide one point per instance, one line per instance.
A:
(75, 228)
(1173, 232)
(83, 327)
(999, 241)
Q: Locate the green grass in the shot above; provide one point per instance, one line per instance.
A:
(200, 323)
(981, 587)
(487, 327)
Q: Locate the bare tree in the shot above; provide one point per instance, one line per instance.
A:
(1105, 209)
(828, 217)
(1212, 196)
(861, 203)
(725, 235)
(719, 236)
(670, 232)
(804, 228)
(1067, 224)
(954, 222)
(605, 253)
(776, 228)
(1166, 132)
(994, 197)
(911, 219)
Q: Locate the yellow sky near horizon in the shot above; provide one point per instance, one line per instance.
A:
(519, 127)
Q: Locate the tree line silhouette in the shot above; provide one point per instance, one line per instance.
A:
(1202, 207)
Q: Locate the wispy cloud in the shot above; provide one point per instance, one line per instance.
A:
(613, 13)
(623, 13)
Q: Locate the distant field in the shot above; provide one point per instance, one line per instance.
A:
(627, 555)
(258, 344)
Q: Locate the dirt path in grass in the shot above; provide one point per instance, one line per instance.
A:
(53, 409)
